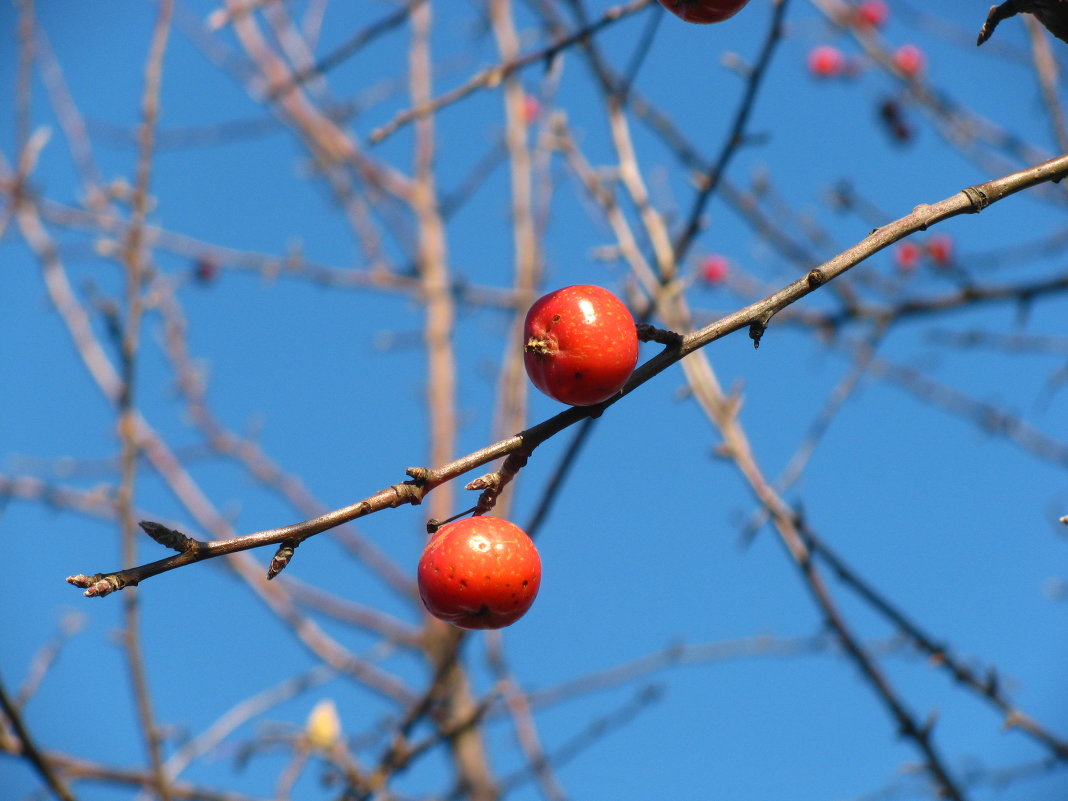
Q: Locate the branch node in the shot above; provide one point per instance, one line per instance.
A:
(816, 278)
(419, 475)
(650, 333)
(490, 480)
(977, 197)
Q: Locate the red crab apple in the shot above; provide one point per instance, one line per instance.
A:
(909, 60)
(714, 269)
(479, 573)
(940, 249)
(581, 344)
(826, 61)
(907, 256)
(872, 13)
(531, 109)
(703, 11)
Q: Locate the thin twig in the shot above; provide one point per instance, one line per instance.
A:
(30, 751)
(492, 76)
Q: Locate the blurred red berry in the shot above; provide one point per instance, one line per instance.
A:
(826, 61)
(907, 256)
(872, 14)
(531, 109)
(940, 249)
(909, 60)
(714, 270)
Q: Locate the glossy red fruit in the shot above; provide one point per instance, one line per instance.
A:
(703, 12)
(826, 61)
(909, 60)
(479, 573)
(581, 344)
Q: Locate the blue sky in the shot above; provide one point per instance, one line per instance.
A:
(641, 551)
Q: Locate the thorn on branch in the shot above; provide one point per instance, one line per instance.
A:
(650, 333)
(168, 537)
(281, 558)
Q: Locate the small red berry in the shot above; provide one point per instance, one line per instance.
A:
(479, 573)
(826, 61)
(531, 109)
(714, 269)
(907, 256)
(872, 13)
(940, 249)
(703, 11)
(581, 344)
(909, 60)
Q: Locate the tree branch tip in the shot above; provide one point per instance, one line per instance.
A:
(168, 537)
(1065, 520)
(98, 585)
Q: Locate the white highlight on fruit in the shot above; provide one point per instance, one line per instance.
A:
(589, 314)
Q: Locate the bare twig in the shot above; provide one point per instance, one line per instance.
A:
(28, 747)
(133, 259)
(987, 687)
(492, 76)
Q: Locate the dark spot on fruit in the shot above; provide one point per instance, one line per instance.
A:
(463, 582)
(525, 582)
(578, 375)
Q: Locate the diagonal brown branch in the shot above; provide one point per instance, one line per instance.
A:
(754, 317)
